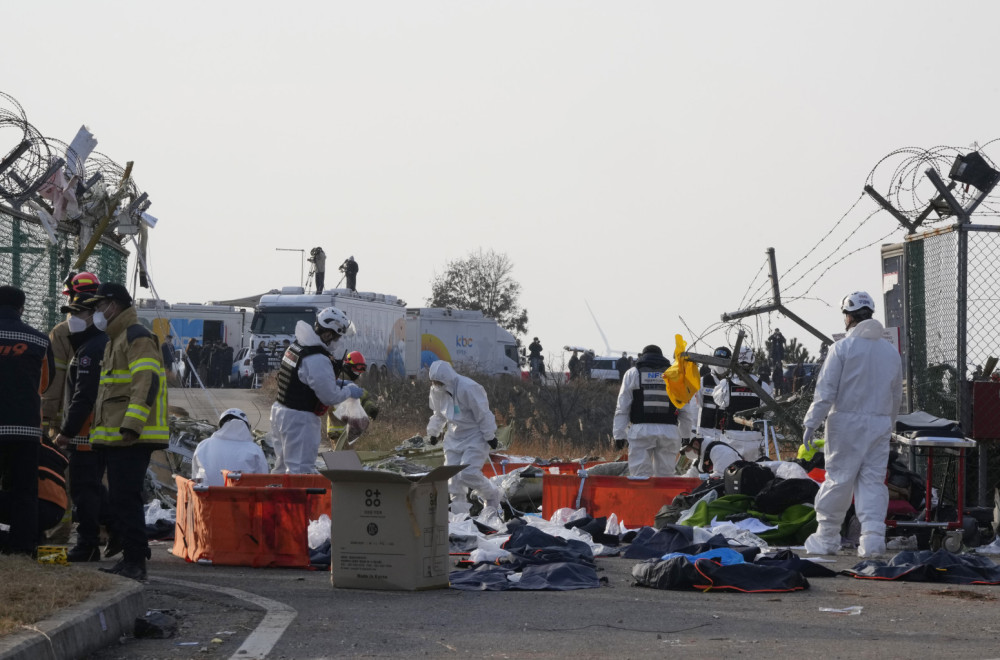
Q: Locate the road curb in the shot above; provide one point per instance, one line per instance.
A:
(82, 628)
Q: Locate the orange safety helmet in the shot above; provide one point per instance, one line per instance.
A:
(81, 283)
(354, 363)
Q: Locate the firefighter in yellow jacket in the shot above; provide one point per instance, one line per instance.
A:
(130, 417)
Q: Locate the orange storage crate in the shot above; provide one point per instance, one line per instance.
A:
(239, 526)
(317, 505)
(636, 501)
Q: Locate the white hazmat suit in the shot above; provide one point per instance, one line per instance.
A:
(462, 411)
(748, 443)
(296, 433)
(860, 388)
(652, 448)
(720, 456)
(230, 448)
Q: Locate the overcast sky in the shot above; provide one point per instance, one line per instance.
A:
(639, 156)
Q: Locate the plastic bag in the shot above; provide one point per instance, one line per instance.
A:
(319, 531)
(352, 413)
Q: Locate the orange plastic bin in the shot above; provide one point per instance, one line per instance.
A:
(317, 505)
(636, 501)
(240, 526)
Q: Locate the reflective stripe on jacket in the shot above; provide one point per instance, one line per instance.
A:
(133, 389)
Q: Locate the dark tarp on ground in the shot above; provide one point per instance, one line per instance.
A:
(530, 545)
(595, 527)
(790, 560)
(794, 524)
(928, 566)
(557, 576)
(680, 573)
(651, 543)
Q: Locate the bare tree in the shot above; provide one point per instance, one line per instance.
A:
(482, 281)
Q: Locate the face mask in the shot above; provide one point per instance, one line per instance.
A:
(719, 371)
(100, 321)
(76, 324)
(691, 453)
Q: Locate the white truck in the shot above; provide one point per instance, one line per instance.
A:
(377, 317)
(467, 339)
(186, 321)
(392, 338)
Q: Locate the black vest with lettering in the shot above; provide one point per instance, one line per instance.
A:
(711, 416)
(292, 392)
(650, 403)
(741, 398)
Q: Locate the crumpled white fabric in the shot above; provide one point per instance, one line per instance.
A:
(154, 511)
(736, 535)
(565, 515)
(786, 470)
(319, 531)
(710, 496)
(575, 533)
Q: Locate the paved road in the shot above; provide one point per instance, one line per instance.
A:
(209, 404)
(899, 620)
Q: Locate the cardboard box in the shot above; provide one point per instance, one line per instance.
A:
(387, 531)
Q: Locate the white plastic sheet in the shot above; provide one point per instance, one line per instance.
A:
(319, 531)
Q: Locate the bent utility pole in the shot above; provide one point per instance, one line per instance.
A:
(734, 366)
(775, 305)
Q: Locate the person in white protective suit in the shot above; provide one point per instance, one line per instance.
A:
(858, 393)
(307, 387)
(711, 418)
(230, 448)
(709, 456)
(462, 413)
(647, 419)
(733, 396)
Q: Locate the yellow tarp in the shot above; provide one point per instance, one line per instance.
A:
(682, 378)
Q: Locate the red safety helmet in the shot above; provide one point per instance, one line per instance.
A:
(354, 362)
(82, 283)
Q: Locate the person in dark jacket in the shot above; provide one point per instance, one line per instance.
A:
(86, 466)
(622, 365)
(26, 361)
(193, 354)
(350, 270)
(52, 499)
(261, 360)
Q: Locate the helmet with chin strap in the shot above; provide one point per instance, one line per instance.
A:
(333, 319)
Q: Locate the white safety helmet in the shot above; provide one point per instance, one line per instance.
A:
(334, 319)
(746, 355)
(234, 413)
(857, 301)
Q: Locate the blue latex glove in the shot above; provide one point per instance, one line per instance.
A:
(807, 439)
(353, 391)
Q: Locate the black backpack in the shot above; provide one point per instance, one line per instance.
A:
(746, 478)
(779, 494)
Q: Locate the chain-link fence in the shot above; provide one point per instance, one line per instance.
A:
(932, 292)
(30, 261)
(953, 340)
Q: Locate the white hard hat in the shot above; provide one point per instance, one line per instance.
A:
(857, 300)
(334, 319)
(234, 413)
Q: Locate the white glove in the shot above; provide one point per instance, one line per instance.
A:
(807, 438)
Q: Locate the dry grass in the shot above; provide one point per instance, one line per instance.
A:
(29, 591)
(563, 420)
